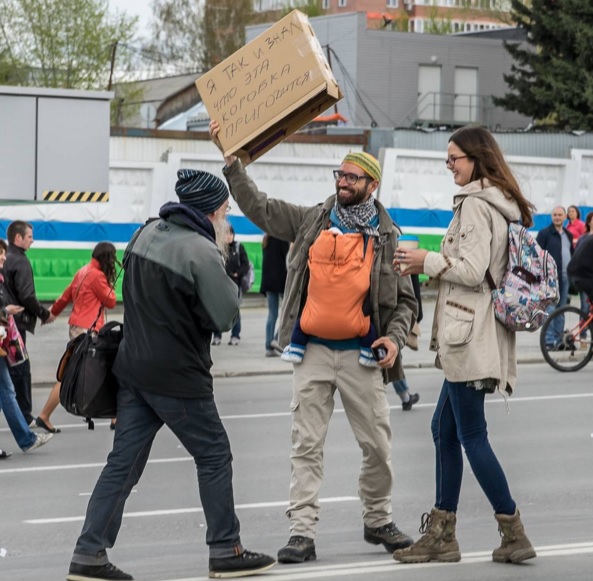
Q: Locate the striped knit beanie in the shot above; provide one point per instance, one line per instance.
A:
(366, 162)
(200, 190)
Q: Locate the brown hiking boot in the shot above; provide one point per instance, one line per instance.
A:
(437, 543)
(515, 546)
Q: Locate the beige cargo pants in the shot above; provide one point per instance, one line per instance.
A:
(362, 392)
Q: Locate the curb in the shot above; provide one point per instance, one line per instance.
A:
(254, 373)
(419, 365)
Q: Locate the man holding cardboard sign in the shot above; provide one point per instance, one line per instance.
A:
(331, 361)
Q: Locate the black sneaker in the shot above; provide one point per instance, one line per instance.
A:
(389, 536)
(107, 572)
(407, 405)
(247, 563)
(297, 550)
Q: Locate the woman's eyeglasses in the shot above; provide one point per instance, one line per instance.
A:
(450, 161)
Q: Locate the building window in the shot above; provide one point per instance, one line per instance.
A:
(392, 3)
(341, 3)
(325, 5)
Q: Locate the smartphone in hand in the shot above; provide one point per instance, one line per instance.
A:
(379, 352)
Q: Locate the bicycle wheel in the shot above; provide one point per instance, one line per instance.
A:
(573, 349)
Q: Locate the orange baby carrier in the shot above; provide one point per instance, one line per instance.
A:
(340, 278)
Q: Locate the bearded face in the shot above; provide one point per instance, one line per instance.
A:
(353, 195)
(349, 194)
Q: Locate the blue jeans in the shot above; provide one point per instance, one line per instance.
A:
(400, 386)
(459, 420)
(556, 329)
(585, 308)
(273, 306)
(23, 435)
(197, 425)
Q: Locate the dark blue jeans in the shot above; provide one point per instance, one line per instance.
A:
(197, 425)
(458, 421)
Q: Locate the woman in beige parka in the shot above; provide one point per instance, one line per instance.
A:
(476, 353)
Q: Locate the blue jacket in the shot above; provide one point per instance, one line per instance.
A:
(549, 239)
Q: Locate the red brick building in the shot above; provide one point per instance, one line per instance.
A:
(436, 16)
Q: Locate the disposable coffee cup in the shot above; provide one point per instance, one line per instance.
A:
(407, 242)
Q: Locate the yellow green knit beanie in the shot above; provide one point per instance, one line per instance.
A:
(366, 162)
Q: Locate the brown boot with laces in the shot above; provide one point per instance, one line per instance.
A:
(438, 542)
(515, 546)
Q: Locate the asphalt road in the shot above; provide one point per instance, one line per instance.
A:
(545, 445)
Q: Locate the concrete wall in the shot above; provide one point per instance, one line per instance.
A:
(53, 139)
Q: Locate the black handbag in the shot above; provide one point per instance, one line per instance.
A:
(89, 388)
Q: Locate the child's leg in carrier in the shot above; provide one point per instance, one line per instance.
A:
(366, 357)
(295, 351)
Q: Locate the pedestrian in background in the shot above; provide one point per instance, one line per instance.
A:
(19, 285)
(580, 270)
(557, 240)
(476, 353)
(331, 360)
(236, 266)
(176, 294)
(90, 292)
(26, 439)
(273, 279)
(401, 386)
(575, 225)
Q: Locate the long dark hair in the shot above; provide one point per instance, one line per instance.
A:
(489, 164)
(587, 221)
(104, 254)
(576, 210)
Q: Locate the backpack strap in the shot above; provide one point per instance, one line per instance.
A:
(490, 280)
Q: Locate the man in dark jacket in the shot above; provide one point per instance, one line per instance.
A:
(236, 266)
(176, 294)
(557, 240)
(273, 280)
(20, 290)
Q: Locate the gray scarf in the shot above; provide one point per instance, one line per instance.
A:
(358, 218)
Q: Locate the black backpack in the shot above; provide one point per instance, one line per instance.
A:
(89, 388)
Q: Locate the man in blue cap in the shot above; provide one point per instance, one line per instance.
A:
(176, 294)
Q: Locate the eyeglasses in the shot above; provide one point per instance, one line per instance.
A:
(351, 178)
(453, 158)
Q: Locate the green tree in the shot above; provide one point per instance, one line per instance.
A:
(309, 7)
(436, 24)
(551, 79)
(222, 29)
(195, 35)
(174, 32)
(61, 43)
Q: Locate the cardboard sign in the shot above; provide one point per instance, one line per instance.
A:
(270, 88)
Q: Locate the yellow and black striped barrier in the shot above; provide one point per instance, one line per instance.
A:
(53, 196)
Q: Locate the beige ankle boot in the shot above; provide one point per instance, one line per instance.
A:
(515, 546)
(437, 543)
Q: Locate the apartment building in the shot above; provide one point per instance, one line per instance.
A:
(443, 16)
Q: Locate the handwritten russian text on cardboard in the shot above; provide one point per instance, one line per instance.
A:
(270, 88)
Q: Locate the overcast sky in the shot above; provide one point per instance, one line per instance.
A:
(140, 8)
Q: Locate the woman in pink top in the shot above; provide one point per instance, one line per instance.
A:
(90, 292)
(575, 225)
